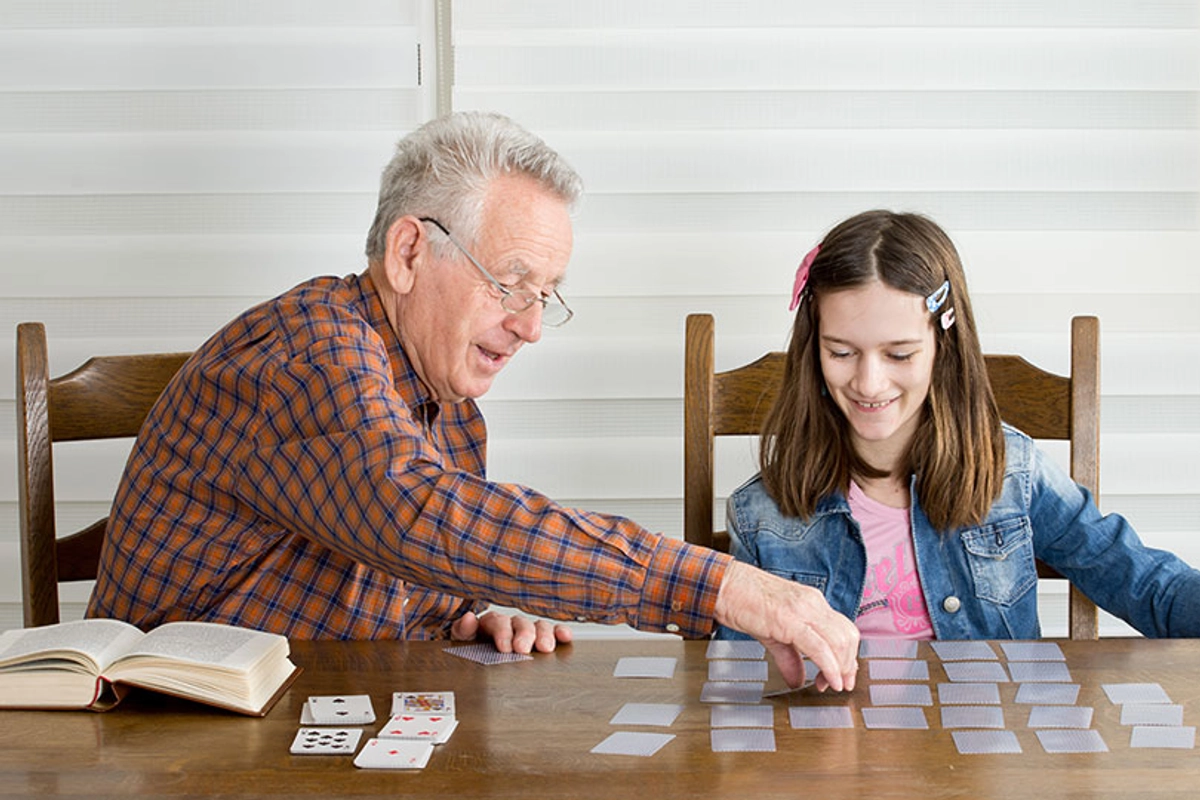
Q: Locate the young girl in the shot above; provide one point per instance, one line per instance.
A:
(888, 481)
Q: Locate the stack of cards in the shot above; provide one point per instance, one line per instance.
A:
(419, 721)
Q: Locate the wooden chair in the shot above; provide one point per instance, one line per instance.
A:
(107, 397)
(1042, 404)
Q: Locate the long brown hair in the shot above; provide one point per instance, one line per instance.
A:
(957, 452)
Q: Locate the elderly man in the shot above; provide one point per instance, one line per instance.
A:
(317, 467)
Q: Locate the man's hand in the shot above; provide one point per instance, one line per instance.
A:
(792, 620)
(510, 634)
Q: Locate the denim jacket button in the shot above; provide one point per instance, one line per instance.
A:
(951, 604)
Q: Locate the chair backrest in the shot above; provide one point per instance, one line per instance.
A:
(1042, 404)
(107, 397)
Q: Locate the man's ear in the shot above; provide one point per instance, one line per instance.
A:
(405, 240)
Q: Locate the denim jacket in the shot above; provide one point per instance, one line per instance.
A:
(981, 582)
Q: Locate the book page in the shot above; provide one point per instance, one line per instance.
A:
(234, 648)
(93, 643)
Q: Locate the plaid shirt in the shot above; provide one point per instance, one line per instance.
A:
(297, 477)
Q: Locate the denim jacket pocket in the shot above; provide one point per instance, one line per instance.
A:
(1000, 555)
(812, 579)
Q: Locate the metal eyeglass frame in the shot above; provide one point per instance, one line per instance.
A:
(552, 307)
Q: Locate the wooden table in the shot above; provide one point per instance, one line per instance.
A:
(526, 728)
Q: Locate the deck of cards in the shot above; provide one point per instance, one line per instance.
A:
(419, 721)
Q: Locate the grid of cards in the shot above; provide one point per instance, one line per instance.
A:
(902, 697)
(418, 721)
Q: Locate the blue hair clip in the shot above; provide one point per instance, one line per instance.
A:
(938, 298)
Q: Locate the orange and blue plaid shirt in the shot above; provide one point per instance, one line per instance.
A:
(297, 477)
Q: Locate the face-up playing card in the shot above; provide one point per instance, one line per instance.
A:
(973, 717)
(630, 743)
(485, 653)
(1060, 717)
(969, 694)
(895, 718)
(898, 670)
(736, 649)
(423, 703)
(743, 740)
(433, 728)
(901, 694)
(976, 742)
(393, 754)
(1072, 741)
(348, 709)
(806, 717)
(326, 741)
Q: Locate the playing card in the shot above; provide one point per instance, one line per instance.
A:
(736, 649)
(1072, 741)
(901, 694)
(807, 717)
(743, 716)
(731, 692)
(973, 717)
(645, 667)
(326, 741)
(977, 742)
(975, 672)
(486, 654)
(629, 743)
(887, 648)
(968, 694)
(907, 717)
(393, 754)
(433, 728)
(1032, 651)
(1121, 693)
(737, 670)
(423, 703)
(1048, 694)
(898, 670)
(348, 709)
(964, 651)
(743, 740)
(1181, 738)
(662, 714)
(1039, 671)
(1060, 717)
(1151, 714)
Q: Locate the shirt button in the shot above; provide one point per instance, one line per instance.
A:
(951, 604)
(672, 627)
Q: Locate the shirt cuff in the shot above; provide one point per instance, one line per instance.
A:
(679, 594)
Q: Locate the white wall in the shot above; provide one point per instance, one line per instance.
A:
(164, 165)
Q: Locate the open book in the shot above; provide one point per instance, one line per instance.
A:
(89, 664)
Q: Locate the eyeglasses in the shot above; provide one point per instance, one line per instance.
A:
(555, 311)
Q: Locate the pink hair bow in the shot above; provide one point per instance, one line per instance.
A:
(802, 277)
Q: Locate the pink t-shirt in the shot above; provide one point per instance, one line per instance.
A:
(892, 605)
